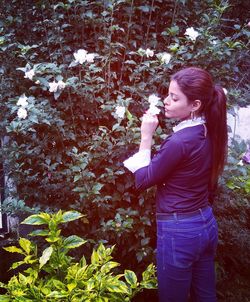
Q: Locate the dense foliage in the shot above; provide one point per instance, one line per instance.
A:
(67, 152)
(56, 276)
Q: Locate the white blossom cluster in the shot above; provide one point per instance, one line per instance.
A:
(191, 33)
(153, 101)
(29, 74)
(82, 56)
(55, 86)
(22, 102)
(153, 109)
(164, 57)
(120, 111)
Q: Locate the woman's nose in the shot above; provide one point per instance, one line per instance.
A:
(166, 101)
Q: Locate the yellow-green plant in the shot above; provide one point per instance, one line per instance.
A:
(53, 275)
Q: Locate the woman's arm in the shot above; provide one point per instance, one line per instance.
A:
(165, 161)
(143, 157)
(148, 127)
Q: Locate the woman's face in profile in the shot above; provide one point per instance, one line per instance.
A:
(176, 103)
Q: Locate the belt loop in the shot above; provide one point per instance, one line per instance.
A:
(202, 215)
(176, 217)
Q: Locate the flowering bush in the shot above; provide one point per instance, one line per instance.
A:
(76, 87)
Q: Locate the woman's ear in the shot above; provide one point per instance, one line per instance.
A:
(196, 105)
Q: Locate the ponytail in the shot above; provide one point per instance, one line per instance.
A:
(197, 84)
(216, 120)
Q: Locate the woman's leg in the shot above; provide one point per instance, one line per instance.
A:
(173, 283)
(176, 252)
(203, 287)
(203, 281)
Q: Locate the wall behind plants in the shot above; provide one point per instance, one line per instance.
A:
(68, 151)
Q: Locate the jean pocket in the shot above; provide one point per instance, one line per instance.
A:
(179, 249)
(186, 248)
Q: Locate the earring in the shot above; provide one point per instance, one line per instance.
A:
(192, 115)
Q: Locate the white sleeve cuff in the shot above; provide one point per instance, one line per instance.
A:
(138, 160)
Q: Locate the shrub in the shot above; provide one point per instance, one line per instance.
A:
(51, 274)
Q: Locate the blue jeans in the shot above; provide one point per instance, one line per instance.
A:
(186, 246)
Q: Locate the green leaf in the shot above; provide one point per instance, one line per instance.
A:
(4, 298)
(71, 286)
(77, 177)
(149, 274)
(34, 119)
(45, 256)
(73, 241)
(58, 284)
(118, 286)
(17, 264)
(37, 219)
(149, 284)
(71, 216)
(145, 241)
(39, 233)
(2, 285)
(97, 187)
(58, 294)
(129, 115)
(94, 257)
(45, 290)
(25, 244)
(109, 266)
(14, 249)
(130, 277)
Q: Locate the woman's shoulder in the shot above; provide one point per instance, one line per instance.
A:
(185, 136)
(190, 133)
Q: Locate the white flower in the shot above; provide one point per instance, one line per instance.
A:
(90, 57)
(165, 57)
(22, 113)
(153, 110)
(22, 101)
(141, 51)
(240, 163)
(61, 85)
(80, 56)
(29, 74)
(53, 86)
(120, 111)
(225, 91)
(37, 82)
(191, 33)
(149, 52)
(153, 99)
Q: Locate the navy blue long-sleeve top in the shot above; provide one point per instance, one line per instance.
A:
(181, 170)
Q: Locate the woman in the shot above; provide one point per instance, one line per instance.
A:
(185, 170)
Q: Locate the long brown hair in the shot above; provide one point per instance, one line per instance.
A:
(197, 84)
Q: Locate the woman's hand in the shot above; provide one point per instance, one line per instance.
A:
(148, 126)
